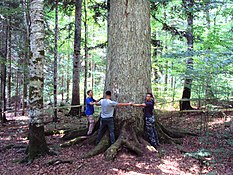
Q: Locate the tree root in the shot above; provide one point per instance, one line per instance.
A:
(100, 148)
(146, 145)
(165, 137)
(91, 139)
(127, 138)
(73, 141)
(71, 134)
(111, 152)
(131, 146)
(174, 134)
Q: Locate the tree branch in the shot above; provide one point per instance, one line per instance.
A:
(101, 45)
(173, 30)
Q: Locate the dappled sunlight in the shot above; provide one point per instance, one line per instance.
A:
(216, 122)
(7, 138)
(121, 172)
(173, 167)
(23, 118)
(168, 159)
(151, 148)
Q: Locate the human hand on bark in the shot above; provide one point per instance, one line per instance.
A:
(131, 103)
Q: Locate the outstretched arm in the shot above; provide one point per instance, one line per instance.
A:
(124, 104)
(91, 103)
(97, 104)
(139, 105)
(99, 99)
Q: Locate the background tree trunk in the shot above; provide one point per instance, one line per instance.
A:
(9, 66)
(37, 143)
(25, 5)
(76, 61)
(16, 93)
(86, 53)
(188, 5)
(3, 57)
(55, 62)
(68, 70)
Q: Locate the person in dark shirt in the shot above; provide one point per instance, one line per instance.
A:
(149, 119)
(90, 101)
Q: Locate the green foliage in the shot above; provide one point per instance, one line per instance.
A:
(230, 142)
(212, 55)
(199, 153)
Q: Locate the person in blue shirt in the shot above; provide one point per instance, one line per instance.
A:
(90, 101)
(149, 119)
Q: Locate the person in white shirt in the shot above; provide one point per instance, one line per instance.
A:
(106, 118)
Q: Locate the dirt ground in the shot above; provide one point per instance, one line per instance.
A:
(211, 152)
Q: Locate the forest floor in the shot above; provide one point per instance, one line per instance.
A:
(211, 152)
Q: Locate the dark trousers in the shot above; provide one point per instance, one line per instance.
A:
(109, 123)
(151, 132)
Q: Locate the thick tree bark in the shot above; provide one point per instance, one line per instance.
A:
(55, 62)
(129, 71)
(37, 143)
(188, 5)
(76, 61)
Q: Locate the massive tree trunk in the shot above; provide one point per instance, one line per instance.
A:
(37, 142)
(129, 71)
(76, 61)
(188, 5)
(128, 76)
(55, 62)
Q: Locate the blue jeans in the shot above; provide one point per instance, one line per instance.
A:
(106, 122)
(151, 132)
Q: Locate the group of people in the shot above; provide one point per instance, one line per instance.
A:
(106, 116)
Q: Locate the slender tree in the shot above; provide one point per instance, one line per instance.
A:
(9, 65)
(37, 142)
(25, 5)
(55, 61)
(3, 59)
(76, 61)
(68, 67)
(86, 51)
(188, 6)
